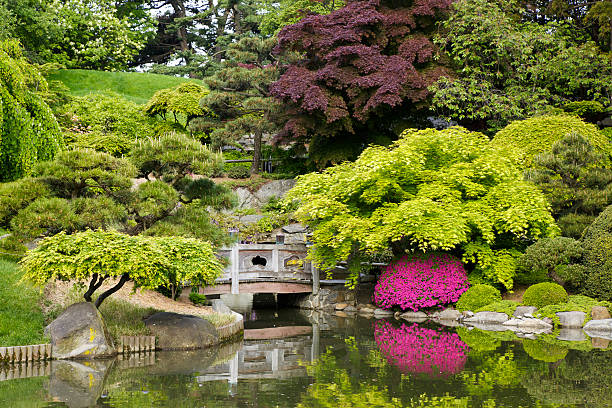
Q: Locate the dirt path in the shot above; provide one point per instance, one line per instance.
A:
(62, 293)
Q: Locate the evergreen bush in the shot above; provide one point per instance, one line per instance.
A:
(548, 259)
(238, 172)
(478, 296)
(597, 242)
(543, 294)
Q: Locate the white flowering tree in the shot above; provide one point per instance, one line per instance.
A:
(89, 34)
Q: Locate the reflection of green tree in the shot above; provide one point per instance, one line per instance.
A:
(582, 378)
(478, 340)
(495, 370)
(543, 351)
(25, 393)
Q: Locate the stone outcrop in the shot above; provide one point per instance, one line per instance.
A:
(181, 332)
(571, 319)
(275, 188)
(521, 311)
(80, 332)
(600, 313)
(487, 317)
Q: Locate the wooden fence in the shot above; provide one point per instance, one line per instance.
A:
(24, 354)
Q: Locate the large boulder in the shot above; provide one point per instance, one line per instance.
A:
(521, 311)
(80, 332)
(600, 313)
(181, 332)
(571, 319)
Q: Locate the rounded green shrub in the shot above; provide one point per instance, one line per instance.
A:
(530, 137)
(543, 294)
(478, 296)
(238, 172)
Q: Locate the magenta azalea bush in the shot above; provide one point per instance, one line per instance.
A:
(420, 281)
(419, 350)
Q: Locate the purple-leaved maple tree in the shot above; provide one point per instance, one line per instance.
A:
(361, 66)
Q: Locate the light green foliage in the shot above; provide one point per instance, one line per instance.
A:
(507, 70)
(278, 14)
(430, 190)
(29, 131)
(19, 194)
(137, 87)
(576, 180)
(544, 352)
(525, 139)
(548, 259)
(545, 293)
(147, 261)
(478, 296)
(502, 306)
(21, 320)
(173, 156)
(183, 99)
(90, 34)
(198, 299)
(574, 303)
(11, 249)
(106, 122)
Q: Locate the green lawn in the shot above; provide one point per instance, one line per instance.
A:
(135, 86)
(21, 319)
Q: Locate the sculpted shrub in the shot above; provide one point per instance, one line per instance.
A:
(420, 350)
(545, 293)
(478, 296)
(421, 281)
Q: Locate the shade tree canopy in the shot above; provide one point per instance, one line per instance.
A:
(431, 190)
(99, 256)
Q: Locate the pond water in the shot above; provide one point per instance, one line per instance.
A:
(294, 358)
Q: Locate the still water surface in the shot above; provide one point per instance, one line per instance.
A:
(292, 358)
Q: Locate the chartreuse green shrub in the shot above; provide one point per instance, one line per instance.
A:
(106, 122)
(29, 131)
(545, 293)
(430, 190)
(574, 303)
(96, 256)
(182, 100)
(525, 139)
(478, 296)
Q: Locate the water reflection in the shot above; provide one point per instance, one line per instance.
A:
(290, 359)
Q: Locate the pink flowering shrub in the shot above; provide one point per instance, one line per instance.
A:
(420, 281)
(420, 350)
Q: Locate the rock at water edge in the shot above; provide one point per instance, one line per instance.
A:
(80, 332)
(181, 332)
(521, 311)
(487, 317)
(571, 319)
(600, 313)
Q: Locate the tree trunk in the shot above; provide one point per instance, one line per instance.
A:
(124, 278)
(257, 153)
(94, 285)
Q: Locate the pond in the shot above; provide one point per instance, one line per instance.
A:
(295, 358)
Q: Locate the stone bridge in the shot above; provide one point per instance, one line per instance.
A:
(266, 268)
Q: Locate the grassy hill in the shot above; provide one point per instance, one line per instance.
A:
(135, 86)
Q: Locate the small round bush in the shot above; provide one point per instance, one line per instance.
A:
(478, 296)
(238, 172)
(545, 293)
(421, 281)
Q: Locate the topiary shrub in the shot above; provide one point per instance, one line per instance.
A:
(537, 135)
(478, 296)
(421, 281)
(238, 172)
(543, 294)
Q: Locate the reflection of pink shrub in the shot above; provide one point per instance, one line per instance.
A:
(420, 281)
(415, 349)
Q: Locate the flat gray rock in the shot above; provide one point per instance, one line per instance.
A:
(181, 332)
(80, 332)
(487, 317)
(599, 328)
(450, 314)
(294, 228)
(521, 311)
(382, 312)
(571, 319)
(414, 316)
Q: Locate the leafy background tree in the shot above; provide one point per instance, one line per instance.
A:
(506, 69)
(429, 191)
(362, 66)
